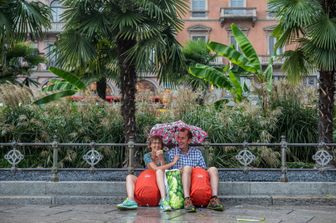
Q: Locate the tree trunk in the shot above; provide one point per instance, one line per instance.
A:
(326, 104)
(101, 88)
(127, 86)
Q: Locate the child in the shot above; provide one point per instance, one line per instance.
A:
(154, 160)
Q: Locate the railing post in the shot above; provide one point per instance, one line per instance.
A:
(54, 170)
(130, 145)
(283, 143)
(207, 153)
(14, 156)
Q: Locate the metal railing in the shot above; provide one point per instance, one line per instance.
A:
(264, 59)
(245, 156)
(56, 27)
(238, 13)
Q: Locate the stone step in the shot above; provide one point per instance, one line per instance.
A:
(104, 188)
(119, 174)
(112, 200)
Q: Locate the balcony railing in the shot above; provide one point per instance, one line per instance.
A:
(238, 13)
(92, 156)
(265, 58)
(56, 27)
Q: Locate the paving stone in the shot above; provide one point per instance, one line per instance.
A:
(108, 213)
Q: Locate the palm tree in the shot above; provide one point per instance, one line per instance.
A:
(122, 37)
(311, 25)
(20, 20)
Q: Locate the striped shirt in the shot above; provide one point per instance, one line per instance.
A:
(192, 158)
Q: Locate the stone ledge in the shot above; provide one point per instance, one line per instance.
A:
(26, 200)
(105, 188)
(112, 200)
(119, 174)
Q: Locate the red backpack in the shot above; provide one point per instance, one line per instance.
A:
(146, 191)
(200, 192)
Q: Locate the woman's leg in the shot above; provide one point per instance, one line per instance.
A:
(130, 185)
(160, 183)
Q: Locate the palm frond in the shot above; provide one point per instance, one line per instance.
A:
(294, 17)
(54, 97)
(212, 75)
(69, 77)
(246, 47)
(298, 13)
(296, 65)
(323, 58)
(30, 17)
(59, 85)
(322, 33)
(73, 50)
(233, 55)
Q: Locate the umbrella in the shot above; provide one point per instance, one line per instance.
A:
(169, 131)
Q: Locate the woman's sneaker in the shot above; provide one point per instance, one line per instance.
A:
(127, 204)
(164, 205)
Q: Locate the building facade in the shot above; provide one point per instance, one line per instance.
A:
(207, 20)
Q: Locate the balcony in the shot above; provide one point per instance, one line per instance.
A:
(56, 27)
(265, 58)
(238, 13)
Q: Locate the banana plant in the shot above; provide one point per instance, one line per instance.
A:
(248, 63)
(224, 78)
(69, 85)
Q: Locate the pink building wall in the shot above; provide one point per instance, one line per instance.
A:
(220, 30)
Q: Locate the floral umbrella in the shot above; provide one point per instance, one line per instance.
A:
(169, 131)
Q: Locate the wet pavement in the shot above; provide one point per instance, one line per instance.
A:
(108, 213)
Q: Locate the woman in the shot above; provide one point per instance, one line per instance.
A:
(155, 161)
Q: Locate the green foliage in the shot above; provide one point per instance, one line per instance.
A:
(69, 85)
(122, 39)
(20, 60)
(195, 52)
(18, 21)
(248, 63)
(297, 121)
(289, 115)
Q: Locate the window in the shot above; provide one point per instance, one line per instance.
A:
(234, 43)
(198, 8)
(152, 57)
(271, 47)
(56, 11)
(50, 54)
(201, 37)
(237, 3)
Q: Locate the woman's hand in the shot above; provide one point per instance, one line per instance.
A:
(159, 155)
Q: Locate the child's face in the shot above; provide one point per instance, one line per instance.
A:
(155, 145)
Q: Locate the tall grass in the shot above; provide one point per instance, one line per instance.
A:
(298, 120)
(88, 121)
